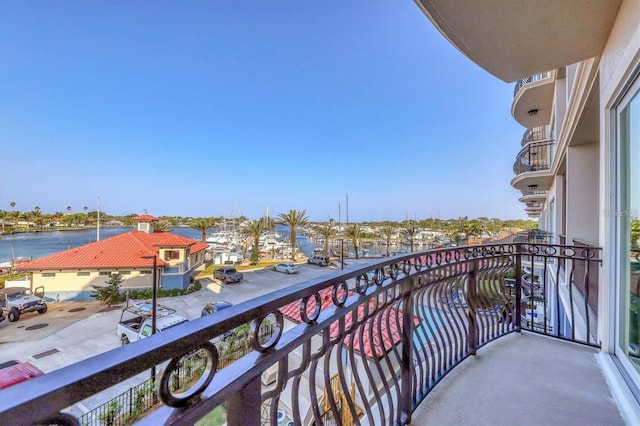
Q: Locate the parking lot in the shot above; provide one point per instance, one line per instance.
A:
(72, 331)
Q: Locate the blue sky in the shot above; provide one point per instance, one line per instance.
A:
(209, 108)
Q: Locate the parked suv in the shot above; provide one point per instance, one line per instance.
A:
(319, 259)
(19, 300)
(228, 274)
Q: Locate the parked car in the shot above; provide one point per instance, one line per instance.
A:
(319, 259)
(137, 318)
(212, 308)
(19, 300)
(13, 372)
(228, 274)
(287, 268)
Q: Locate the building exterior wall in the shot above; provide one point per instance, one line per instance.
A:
(582, 193)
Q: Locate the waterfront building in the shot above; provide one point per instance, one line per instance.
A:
(576, 68)
(71, 274)
(576, 65)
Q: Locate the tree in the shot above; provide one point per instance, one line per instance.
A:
(635, 233)
(203, 224)
(109, 293)
(16, 213)
(254, 230)
(387, 232)
(293, 219)
(354, 233)
(410, 233)
(327, 231)
(37, 217)
(162, 226)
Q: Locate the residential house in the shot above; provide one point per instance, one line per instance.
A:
(71, 274)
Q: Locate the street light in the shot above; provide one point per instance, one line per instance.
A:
(154, 292)
(154, 299)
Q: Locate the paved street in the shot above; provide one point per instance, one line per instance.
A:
(73, 331)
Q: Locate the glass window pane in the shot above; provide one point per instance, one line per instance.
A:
(630, 139)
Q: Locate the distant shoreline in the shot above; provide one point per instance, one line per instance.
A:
(60, 228)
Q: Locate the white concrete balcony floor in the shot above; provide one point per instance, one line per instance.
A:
(523, 379)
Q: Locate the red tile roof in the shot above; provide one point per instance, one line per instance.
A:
(381, 339)
(146, 218)
(121, 251)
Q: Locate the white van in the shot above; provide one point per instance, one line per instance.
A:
(319, 259)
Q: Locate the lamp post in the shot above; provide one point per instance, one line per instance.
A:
(154, 299)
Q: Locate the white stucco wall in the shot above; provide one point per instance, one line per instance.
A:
(582, 193)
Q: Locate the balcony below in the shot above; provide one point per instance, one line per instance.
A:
(533, 100)
(523, 379)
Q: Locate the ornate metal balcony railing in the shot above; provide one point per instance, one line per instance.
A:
(536, 77)
(534, 157)
(526, 193)
(364, 345)
(535, 134)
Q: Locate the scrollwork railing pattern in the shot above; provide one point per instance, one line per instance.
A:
(360, 346)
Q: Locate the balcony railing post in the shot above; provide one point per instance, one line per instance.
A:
(244, 408)
(407, 289)
(472, 338)
(518, 288)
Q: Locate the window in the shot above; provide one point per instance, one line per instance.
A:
(146, 330)
(125, 272)
(48, 274)
(83, 274)
(628, 225)
(104, 273)
(171, 254)
(147, 272)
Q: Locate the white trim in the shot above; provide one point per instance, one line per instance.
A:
(622, 396)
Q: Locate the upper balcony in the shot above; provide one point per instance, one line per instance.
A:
(533, 167)
(536, 134)
(534, 196)
(513, 40)
(533, 100)
(366, 345)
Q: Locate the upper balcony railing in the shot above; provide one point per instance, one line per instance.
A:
(536, 77)
(535, 134)
(533, 157)
(365, 345)
(528, 193)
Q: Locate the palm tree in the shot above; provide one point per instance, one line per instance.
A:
(36, 216)
(293, 219)
(410, 234)
(353, 232)
(16, 214)
(328, 231)
(387, 232)
(254, 231)
(203, 224)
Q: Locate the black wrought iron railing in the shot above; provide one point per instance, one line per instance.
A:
(535, 134)
(536, 77)
(365, 345)
(533, 157)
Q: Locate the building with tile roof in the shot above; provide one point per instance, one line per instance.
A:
(378, 339)
(71, 274)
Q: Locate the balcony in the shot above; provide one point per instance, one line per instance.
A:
(533, 100)
(371, 345)
(512, 40)
(533, 167)
(536, 134)
(533, 195)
